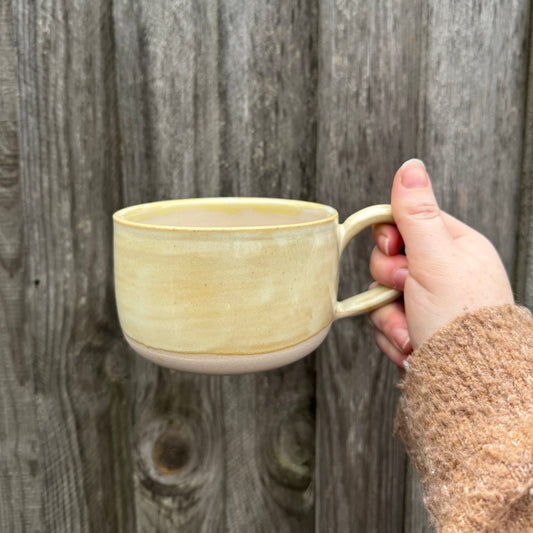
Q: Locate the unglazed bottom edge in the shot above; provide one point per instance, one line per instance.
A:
(205, 363)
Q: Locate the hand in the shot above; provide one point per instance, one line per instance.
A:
(448, 268)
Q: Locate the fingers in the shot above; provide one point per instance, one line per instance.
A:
(390, 271)
(391, 331)
(387, 238)
(417, 213)
(395, 355)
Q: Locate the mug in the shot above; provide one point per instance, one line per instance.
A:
(234, 285)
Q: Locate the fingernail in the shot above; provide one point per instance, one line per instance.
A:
(384, 243)
(400, 337)
(399, 277)
(415, 175)
(413, 160)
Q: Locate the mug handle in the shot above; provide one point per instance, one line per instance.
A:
(380, 295)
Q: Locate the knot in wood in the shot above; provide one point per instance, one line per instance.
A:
(171, 451)
(291, 456)
(174, 456)
(117, 364)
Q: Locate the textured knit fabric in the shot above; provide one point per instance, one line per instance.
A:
(466, 417)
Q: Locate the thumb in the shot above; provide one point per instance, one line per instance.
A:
(417, 214)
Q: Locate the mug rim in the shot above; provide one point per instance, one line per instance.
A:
(330, 214)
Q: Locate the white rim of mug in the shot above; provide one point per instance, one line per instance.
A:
(330, 212)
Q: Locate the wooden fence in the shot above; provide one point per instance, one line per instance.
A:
(107, 103)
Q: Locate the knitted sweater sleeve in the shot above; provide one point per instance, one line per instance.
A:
(466, 417)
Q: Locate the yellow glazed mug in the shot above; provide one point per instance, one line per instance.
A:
(234, 285)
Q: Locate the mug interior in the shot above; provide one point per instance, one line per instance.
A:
(226, 213)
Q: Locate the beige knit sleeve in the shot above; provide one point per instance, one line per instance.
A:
(466, 417)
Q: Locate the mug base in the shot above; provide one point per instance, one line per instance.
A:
(205, 363)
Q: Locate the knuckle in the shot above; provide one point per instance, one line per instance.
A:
(424, 211)
(388, 317)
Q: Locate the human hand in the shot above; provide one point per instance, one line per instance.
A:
(448, 268)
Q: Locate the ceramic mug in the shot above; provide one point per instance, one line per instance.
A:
(234, 285)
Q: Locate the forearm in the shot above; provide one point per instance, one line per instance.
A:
(466, 416)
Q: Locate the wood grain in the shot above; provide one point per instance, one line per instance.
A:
(471, 115)
(114, 102)
(368, 103)
(416, 516)
(267, 77)
(168, 106)
(19, 454)
(167, 57)
(217, 100)
(523, 279)
(68, 174)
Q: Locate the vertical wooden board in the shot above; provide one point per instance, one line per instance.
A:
(18, 451)
(416, 515)
(369, 62)
(166, 55)
(254, 468)
(471, 123)
(269, 464)
(267, 79)
(523, 282)
(68, 167)
(177, 446)
(472, 116)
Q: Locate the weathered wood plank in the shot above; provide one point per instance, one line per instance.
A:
(416, 516)
(368, 103)
(177, 446)
(269, 432)
(523, 282)
(69, 167)
(220, 102)
(267, 76)
(167, 61)
(220, 98)
(471, 121)
(473, 112)
(18, 452)
(168, 103)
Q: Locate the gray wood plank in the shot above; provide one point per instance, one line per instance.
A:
(76, 455)
(313, 100)
(177, 445)
(473, 112)
(523, 282)
(19, 455)
(267, 77)
(220, 102)
(471, 121)
(416, 516)
(369, 62)
(269, 432)
(166, 56)
(167, 59)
